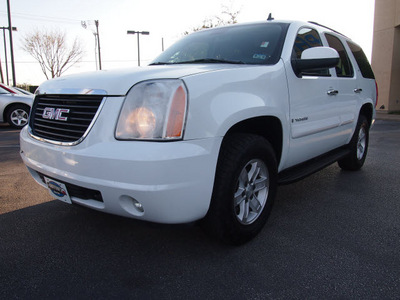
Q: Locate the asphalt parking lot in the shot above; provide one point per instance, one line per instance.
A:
(333, 235)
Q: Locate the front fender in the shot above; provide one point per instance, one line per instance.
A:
(219, 100)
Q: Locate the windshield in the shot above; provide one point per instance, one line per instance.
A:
(243, 44)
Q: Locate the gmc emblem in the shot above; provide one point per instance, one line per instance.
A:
(55, 113)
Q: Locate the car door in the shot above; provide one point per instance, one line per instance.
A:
(320, 105)
(349, 89)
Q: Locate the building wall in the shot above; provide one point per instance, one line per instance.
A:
(386, 53)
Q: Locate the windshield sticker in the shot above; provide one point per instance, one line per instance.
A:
(259, 56)
(264, 44)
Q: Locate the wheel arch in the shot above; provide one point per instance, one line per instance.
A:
(10, 105)
(367, 111)
(269, 127)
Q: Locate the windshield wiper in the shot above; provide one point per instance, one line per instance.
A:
(158, 63)
(211, 61)
(200, 61)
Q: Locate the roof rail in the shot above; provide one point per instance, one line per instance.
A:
(315, 23)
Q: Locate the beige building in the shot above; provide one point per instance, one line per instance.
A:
(386, 53)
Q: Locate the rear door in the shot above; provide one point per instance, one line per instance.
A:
(349, 89)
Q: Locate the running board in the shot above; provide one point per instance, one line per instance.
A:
(308, 168)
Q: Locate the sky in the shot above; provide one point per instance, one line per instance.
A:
(165, 20)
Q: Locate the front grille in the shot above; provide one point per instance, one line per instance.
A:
(78, 191)
(63, 118)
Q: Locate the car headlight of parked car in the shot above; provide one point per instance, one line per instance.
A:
(153, 110)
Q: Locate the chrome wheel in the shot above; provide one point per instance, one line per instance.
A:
(362, 142)
(19, 117)
(251, 193)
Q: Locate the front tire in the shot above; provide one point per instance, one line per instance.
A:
(358, 147)
(244, 189)
(17, 115)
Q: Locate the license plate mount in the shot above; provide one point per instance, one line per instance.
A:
(58, 190)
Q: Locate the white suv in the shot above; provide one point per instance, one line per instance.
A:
(209, 129)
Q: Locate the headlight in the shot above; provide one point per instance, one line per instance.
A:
(153, 110)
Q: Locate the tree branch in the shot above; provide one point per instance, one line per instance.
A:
(50, 49)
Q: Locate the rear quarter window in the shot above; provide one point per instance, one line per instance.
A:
(362, 60)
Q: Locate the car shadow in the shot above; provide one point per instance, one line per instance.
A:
(49, 246)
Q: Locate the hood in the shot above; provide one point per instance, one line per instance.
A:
(118, 82)
(20, 96)
(16, 98)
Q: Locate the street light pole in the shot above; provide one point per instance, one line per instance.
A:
(5, 49)
(5, 52)
(96, 22)
(138, 49)
(96, 38)
(11, 43)
(138, 33)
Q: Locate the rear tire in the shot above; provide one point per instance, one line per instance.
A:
(358, 147)
(244, 189)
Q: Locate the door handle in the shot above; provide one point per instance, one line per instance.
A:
(357, 91)
(332, 92)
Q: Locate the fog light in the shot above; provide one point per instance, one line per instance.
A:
(131, 205)
(138, 205)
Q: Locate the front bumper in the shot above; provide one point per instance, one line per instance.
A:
(173, 181)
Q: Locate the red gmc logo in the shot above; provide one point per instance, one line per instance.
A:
(55, 113)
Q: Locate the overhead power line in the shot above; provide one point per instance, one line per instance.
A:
(43, 18)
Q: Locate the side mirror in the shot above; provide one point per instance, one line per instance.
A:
(316, 58)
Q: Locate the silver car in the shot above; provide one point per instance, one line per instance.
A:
(14, 108)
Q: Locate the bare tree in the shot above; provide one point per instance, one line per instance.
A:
(228, 16)
(50, 49)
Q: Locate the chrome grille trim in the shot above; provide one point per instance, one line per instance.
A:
(73, 133)
(66, 91)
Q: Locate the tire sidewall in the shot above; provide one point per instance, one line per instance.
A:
(362, 122)
(351, 161)
(231, 230)
(11, 110)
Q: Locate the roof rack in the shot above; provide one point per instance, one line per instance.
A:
(315, 23)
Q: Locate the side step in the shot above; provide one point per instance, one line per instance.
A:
(311, 166)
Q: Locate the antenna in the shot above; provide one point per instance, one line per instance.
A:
(270, 18)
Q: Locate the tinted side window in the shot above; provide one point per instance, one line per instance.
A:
(362, 61)
(308, 38)
(344, 67)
